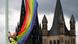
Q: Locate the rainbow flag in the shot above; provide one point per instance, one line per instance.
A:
(28, 21)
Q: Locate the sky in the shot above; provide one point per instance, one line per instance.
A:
(46, 7)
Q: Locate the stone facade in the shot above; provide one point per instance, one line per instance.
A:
(58, 34)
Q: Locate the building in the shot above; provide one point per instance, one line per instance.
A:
(58, 34)
(35, 35)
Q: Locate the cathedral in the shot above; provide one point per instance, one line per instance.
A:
(58, 34)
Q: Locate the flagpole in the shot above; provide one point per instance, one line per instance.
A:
(6, 22)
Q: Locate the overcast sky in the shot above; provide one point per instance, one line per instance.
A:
(46, 7)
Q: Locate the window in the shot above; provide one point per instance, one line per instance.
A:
(50, 42)
(54, 42)
(58, 42)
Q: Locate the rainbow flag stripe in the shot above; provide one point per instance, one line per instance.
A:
(28, 21)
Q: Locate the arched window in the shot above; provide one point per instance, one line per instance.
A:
(50, 42)
(54, 42)
(58, 42)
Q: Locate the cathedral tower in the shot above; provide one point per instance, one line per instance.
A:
(72, 30)
(58, 34)
(35, 36)
(72, 25)
(44, 26)
(58, 27)
(44, 30)
(22, 16)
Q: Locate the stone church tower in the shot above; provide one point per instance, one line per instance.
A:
(58, 34)
(44, 30)
(22, 15)
(35, 35)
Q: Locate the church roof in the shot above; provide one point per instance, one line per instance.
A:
(58, 18)
(22, 16)
(72, 19)
(22, 13)
(44, 20)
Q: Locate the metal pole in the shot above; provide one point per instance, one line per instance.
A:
(6, 22)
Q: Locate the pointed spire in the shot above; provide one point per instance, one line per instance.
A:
(72, 20)
(36, 14)
(58, 15)
(44, 19)
(36, 22)
(58, 20)
(35, 31)
(22, 13)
